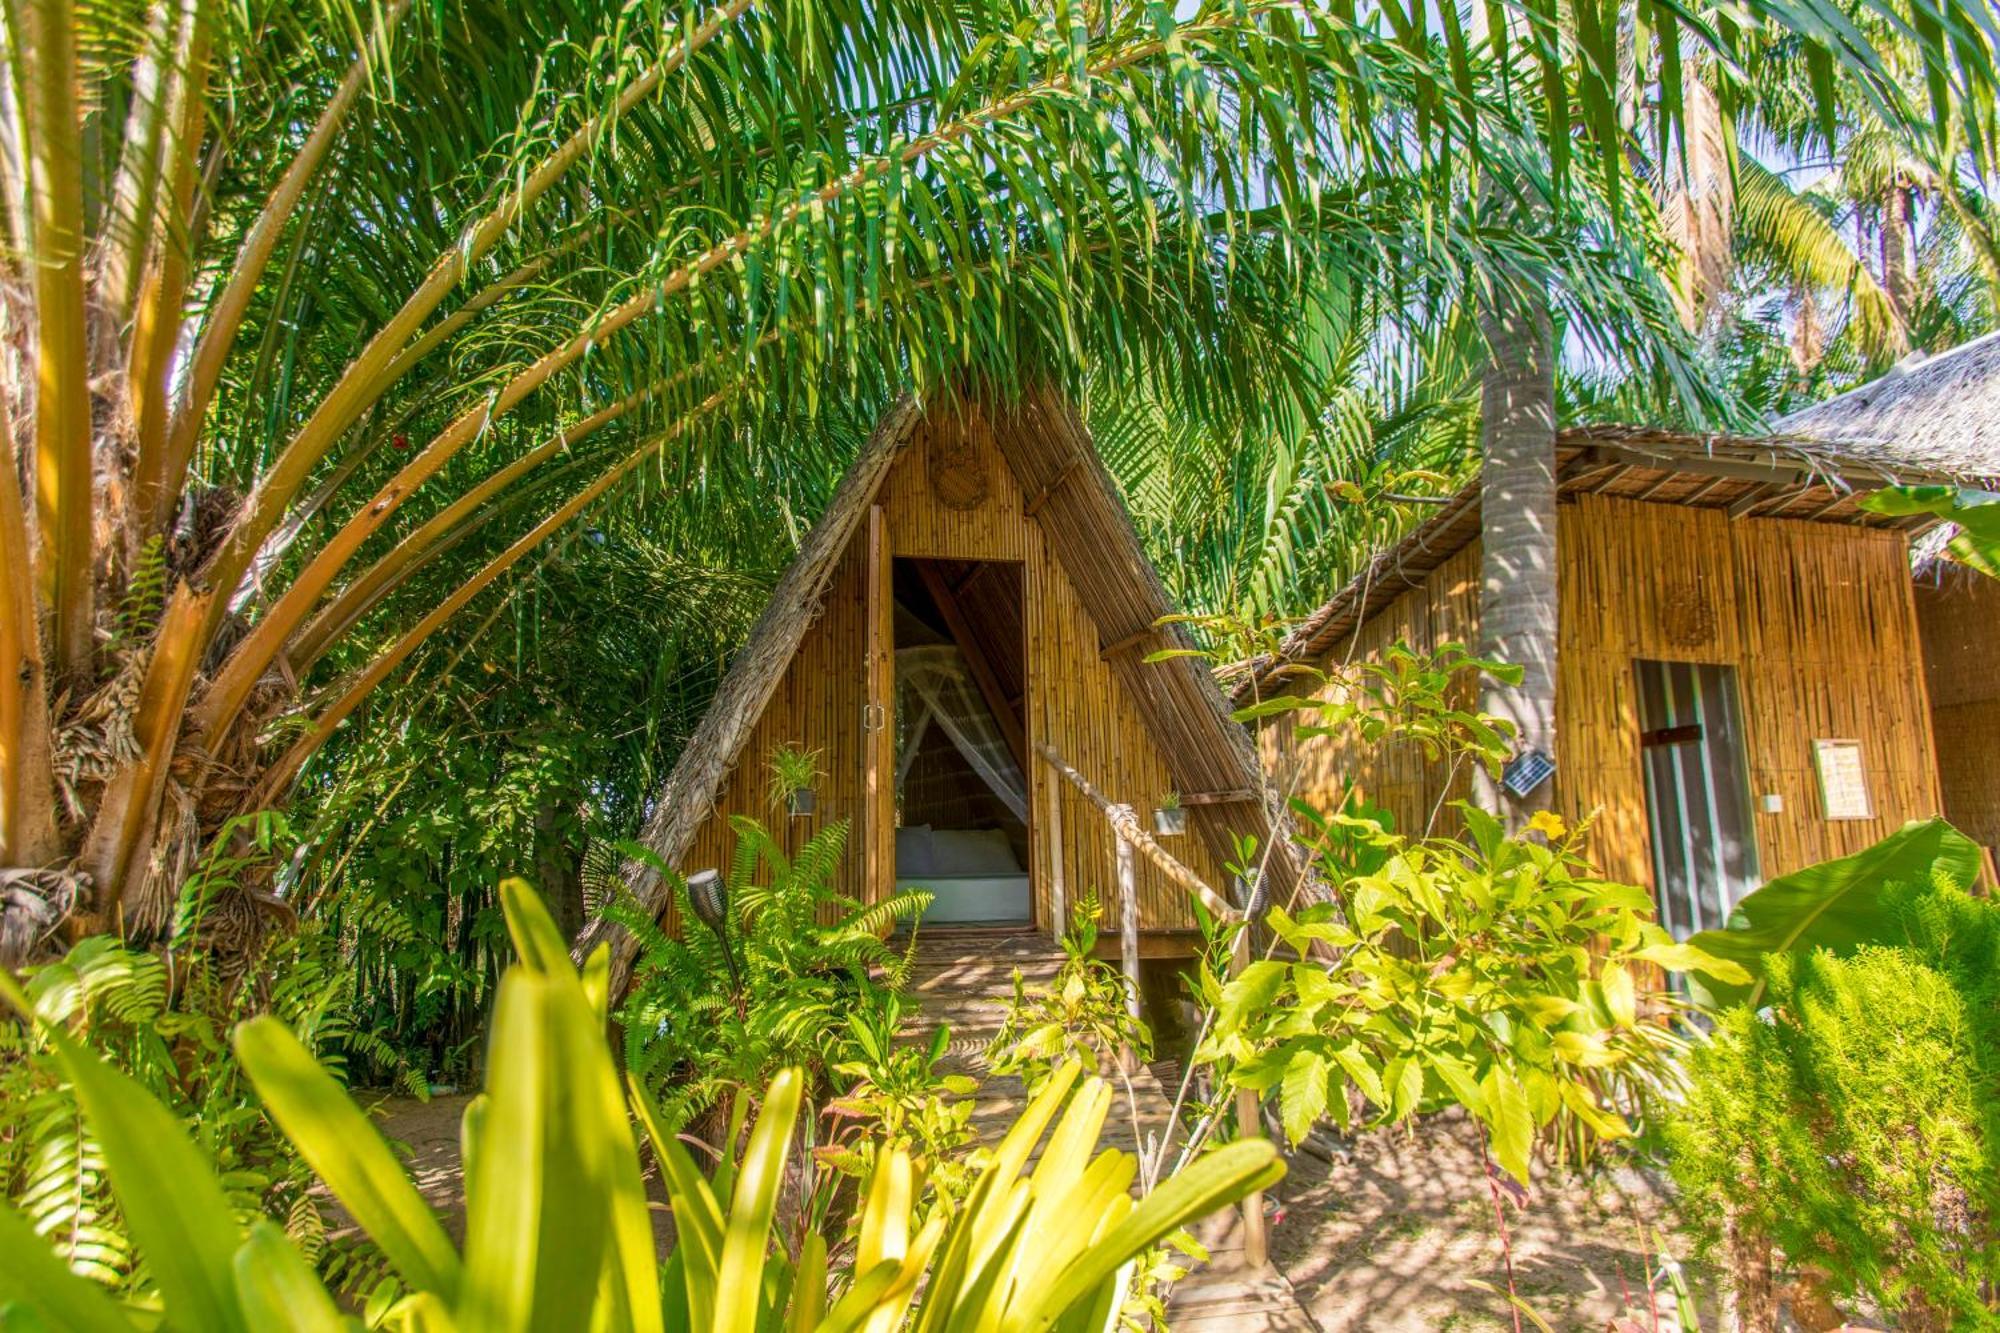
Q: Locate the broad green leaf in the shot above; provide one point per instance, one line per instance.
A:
(1583, 1103)
(179, 1217)
(1510, 1122)
(1302, 1093)
(536, 939)
(1250, 993)
(1221, 1178)
(346, 1150)
(1685, 957)
(1977, 514)
(1621, 995)
(1837, 905)
(536, 1225)
(758, 1180)
(808, 1285)
(277, 1288)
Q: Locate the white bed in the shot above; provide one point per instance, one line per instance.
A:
(973, 875)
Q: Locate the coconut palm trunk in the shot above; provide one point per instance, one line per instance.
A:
(1517, 493)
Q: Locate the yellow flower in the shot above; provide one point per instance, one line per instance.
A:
(1547, 823)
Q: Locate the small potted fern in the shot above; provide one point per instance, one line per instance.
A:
(1169, 819)
(793, 773)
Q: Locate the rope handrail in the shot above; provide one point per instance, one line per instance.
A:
(1122, 819)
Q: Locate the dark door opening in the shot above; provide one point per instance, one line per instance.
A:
(961, 790)
(1697, 793)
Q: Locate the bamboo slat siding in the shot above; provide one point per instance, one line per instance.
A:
(1960, 619)
(1074, 700)
(1817, 620)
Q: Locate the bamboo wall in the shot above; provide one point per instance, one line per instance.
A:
(1074, 702)
(1960, 621)
(1817, 620)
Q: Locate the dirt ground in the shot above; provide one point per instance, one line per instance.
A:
(1392, 1238)
(1388, 1240)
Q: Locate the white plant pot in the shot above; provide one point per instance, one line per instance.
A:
(1169, 823)
(803, 801)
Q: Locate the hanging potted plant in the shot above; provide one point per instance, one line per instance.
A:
(1169, 819)
(793, 773)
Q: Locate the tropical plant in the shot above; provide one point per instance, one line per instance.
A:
(1489, 970)
(1497, 974)
(793, 770)
(1084, 1015)
(706, 1014)
(897, 1098)
(557, 1229)
(1854, 1124)
(1837, 905)
(163, 1022)
(258, 257)
(1976, 514)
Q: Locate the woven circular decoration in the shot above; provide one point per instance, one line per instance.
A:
(1687, 617)
(957, 471)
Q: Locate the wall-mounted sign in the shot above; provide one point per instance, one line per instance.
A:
(1843, 780)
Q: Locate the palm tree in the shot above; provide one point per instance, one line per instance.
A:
(304, 301)
(1517, 506)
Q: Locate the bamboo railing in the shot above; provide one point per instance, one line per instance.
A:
(1132, 839)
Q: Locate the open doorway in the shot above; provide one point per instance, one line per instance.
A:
(1697, 793)
(962, 808)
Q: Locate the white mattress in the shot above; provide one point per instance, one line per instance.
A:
(966, 898)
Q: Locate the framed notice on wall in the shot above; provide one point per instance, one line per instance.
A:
(1843, 780)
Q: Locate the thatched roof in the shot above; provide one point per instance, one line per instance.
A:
(1938, 413)
(1806, 472)
(1087, 530)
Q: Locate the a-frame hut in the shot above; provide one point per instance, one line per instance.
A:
(973, 603)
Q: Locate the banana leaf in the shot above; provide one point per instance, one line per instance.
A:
(1838, 905)
(1977, 514)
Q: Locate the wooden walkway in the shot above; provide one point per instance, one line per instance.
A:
(964, 978)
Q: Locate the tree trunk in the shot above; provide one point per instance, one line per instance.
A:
(1899, 251)
(1517, 495)
(558, 864)
(1753, 1305)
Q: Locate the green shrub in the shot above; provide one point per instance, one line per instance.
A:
(163, 1020)
(1855, 1123)
(1082, 1016)
(704, 1017)
(557, 1228)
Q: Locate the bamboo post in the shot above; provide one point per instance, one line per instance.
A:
(1128, 914)
(1249, 1124)
(1058, 899)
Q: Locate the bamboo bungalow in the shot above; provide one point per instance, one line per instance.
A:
(1740, 684)
(963, 640)
(1944, 411)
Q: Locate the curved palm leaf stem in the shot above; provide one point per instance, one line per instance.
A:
(295, 522)
(369, 375)
(450, 542)
(160, 312)
(135, 185)
(431, 340)
(281, 773)
(414, 551)
(254, 655)
(47, 104)
(355, 600)
(225, 319)
(27, 773)
(281, 538)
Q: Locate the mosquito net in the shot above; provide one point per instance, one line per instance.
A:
(934, 687)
